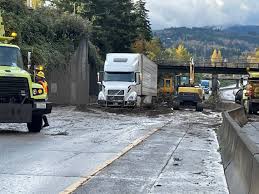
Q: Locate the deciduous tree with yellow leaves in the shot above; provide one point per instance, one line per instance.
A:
(34, 3)
(216, 56)
(178, 54)
(254, 57)
(152, 48)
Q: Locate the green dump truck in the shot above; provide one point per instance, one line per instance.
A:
(21, 100)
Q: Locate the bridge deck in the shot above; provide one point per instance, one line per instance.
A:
(208, 67)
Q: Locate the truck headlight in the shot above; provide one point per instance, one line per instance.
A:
(131, 98)
(37, 91)
(101, 96)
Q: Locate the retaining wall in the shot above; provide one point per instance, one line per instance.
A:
(239, 154)
(75, 83)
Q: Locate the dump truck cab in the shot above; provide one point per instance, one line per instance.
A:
(21, 100)
(250, 98)
(189, 96)
(167, 86)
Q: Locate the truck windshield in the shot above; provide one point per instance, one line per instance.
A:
(119, 76)
(10, 56)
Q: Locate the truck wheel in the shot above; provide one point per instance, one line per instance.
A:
(199, 107)
(36, 124)
(176, 105)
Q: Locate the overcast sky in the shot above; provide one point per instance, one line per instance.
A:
(176, 13)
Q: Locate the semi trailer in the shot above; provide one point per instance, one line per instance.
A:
(128, 80)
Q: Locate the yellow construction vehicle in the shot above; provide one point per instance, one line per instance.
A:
(21, 100)
(166, 89)
(250, 99)
(189, 95)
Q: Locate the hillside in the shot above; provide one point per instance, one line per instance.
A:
(233, 41)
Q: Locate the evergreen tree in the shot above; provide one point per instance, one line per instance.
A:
(113, 22)
(142, 21)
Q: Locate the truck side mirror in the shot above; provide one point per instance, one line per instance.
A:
(100, 76)
(29, 60)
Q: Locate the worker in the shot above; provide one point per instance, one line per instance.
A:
(40, 78)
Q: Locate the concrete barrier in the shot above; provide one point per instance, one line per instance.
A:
(239, 154)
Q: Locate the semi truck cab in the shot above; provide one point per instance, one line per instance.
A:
(120, 81)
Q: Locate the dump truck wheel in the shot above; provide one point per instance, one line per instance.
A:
(176, 105)
(36, 125)
(199, 107)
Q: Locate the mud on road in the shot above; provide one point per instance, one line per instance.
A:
(77, 142)
(156, 110)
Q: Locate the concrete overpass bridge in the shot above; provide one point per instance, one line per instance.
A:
(228, 67)
(206, 66)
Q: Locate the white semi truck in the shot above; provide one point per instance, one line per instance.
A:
(128, 80)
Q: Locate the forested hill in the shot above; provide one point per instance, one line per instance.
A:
(201, 41)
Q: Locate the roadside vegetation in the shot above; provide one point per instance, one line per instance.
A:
(53, 32)
(52, 35)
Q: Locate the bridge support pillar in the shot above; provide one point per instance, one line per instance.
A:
(177, 83)
(215, 85)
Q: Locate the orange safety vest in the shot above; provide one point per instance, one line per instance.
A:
(45, 86)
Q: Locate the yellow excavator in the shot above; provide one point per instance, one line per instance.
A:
(189, 95)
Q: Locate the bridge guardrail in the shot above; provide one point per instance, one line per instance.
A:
(239, 154)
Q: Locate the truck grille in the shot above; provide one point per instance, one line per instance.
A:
(13, 89)
(115, 92)
(115, 98)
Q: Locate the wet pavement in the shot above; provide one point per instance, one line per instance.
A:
(75, 144)
(182, 157)
(78, 142)
(251, 129)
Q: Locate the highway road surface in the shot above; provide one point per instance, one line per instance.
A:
(176, 151)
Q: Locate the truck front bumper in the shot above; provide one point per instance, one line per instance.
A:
(117, 103)
(188, 99)
(22, 113)
(42, 108)
(15, 113)
(254, 100)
